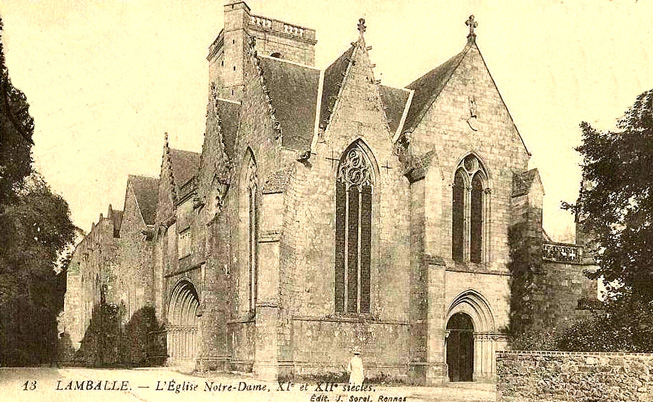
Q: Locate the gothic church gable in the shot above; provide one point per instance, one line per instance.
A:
(214, 175)
(358, 110)
(479, 119)
(140, 205)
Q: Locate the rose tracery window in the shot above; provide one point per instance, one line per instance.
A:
(469, 211)
(354, 189)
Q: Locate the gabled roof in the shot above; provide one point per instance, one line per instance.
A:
(293, 94)
(146, 190)
(333, 77)
(428, 87)
(523, 182)
(184, 165)
(394, 100)
(229, 112)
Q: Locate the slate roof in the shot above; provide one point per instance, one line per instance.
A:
(293, 93)
(394, 100)
(185, 165)
(521, 183)
(428, 87)
(229, 117)
(333, 77)
(146, 190)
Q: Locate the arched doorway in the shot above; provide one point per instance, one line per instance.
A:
(182, 339)
(460, 347)
(470, 317)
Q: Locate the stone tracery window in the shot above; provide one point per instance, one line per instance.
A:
(354, 190)
(469, 211)
(252, 233)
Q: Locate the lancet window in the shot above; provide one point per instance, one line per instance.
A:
(354, 203)
(469, 211)
(252, 233)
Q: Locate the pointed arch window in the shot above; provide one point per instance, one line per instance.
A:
(458, 206)
(354, 190)
(476, 232)
(469, 211)
(252, 234)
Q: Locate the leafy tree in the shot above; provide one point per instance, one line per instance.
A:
(626, 325)
(616, 201)
(16, 130)
(35, 228)
(615, 207)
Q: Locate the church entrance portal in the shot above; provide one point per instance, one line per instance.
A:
(460, 347)
(182, 339)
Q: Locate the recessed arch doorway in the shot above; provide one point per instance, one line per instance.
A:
(182, 338)
(471, 338)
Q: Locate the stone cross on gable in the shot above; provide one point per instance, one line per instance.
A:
(361, 26)
(472, 24)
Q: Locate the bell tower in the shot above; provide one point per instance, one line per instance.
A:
(273, 38)
(226, 53)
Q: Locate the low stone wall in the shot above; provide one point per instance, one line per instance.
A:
(574, 376)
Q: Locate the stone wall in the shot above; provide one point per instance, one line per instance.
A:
(569, 376)
(563, 295)
(88, 271)
(497, 144)
(321, 338)
(324, 346)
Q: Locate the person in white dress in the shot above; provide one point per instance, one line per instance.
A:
(355, 369)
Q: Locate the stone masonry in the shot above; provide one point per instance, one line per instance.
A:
(249, 251)
(570, 376)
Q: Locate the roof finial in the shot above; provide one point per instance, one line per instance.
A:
(361, 26)
(472, 24)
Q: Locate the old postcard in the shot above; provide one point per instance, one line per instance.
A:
(305, 201)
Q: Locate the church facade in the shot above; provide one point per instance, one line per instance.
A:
(327, 212)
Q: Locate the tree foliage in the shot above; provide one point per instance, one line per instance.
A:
(16, 130)
(35, 228)
(626, 325)
(615, 207)
(616, 199)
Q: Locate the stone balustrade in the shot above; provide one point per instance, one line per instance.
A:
(563, 253)
(293, 30)
(259, 22)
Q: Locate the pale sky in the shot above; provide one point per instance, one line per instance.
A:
(106, 78)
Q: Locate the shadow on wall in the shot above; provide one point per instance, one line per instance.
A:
(109, 343)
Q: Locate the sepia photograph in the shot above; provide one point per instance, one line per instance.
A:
(326, 201)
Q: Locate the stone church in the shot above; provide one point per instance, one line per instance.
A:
(327, 212)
